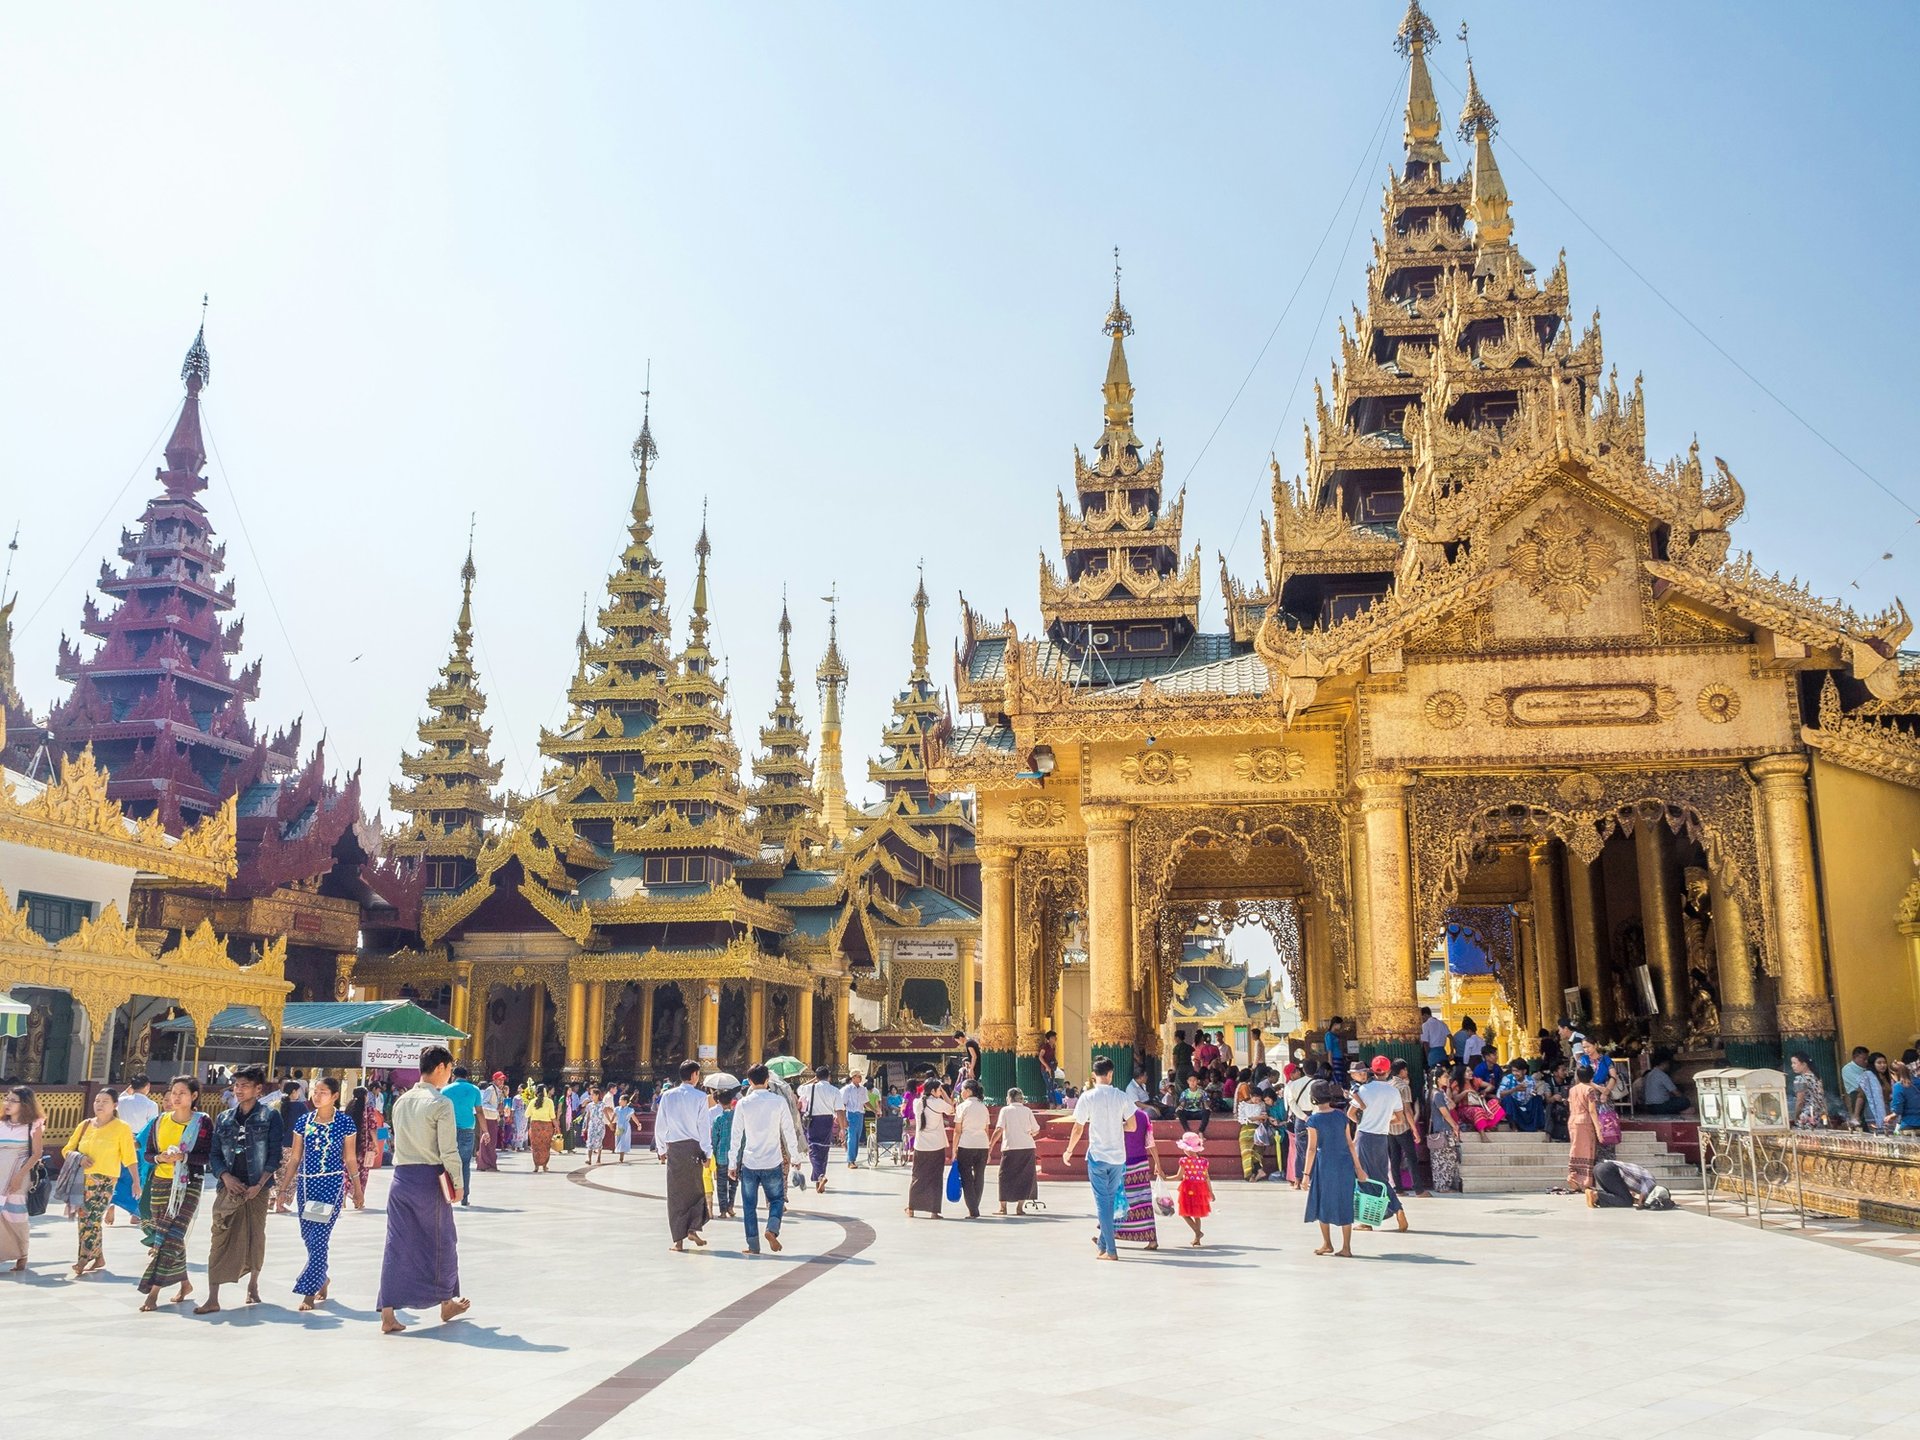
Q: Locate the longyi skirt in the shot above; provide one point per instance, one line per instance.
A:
(929, 1185)
(1019, 1179)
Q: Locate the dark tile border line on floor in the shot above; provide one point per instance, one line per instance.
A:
(587, 1412)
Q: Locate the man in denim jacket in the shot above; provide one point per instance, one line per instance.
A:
(247, 1141)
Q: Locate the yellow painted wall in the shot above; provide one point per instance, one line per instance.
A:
(1866, 833)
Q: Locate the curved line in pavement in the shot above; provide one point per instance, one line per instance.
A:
(587, 1412)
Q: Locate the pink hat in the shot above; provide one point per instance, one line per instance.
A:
(1191, 1143)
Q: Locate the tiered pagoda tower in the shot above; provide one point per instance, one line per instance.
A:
(163, 712)
(448, 793)
(786, 806)
(694, 836)
(24, 738)
(911, 876)
(159, 702)
(1125, 591)
(619, 684)
(831, 679)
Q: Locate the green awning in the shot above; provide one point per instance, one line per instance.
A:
(316, 1021)
(13, 1017)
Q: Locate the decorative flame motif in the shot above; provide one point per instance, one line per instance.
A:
(1561, 561)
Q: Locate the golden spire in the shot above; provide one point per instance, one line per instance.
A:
(582, 640)
(920, 648)
(645, 452)
(1416, 33)
(786, 659)
(697, 625)
(1118, 437)
(832, 678)
(463, 628)
(1489, 209)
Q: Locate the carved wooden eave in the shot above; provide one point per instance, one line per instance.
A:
(1871, 747)
(1866, 646)
(726, 901)
(73, 816)
(1246, 605)
(1121, 592)
(105, 964)
(1123, 523)
(1310, 655)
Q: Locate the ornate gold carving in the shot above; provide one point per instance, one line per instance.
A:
(1561, 561)
(1718, 703)
(73, 816)
(1157, 767)
(1269, 765)
(1453, 819)
(1569, 706)
(1036, 814)
(1445, 710)
(109, 935)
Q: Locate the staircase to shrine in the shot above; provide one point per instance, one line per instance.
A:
(1508, 1161)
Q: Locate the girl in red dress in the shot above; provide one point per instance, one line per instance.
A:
(1195, 1200)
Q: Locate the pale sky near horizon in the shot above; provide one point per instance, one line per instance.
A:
(867, 249)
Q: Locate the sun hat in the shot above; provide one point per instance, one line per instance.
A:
(1382, 1065)
(1191, 1143)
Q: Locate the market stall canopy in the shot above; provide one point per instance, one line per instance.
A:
(13, 1016)
(326, 1023)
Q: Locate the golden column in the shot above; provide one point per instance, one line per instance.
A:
(1660, 924)
(477, 996)
(999, 1004)
(842, 1026)
(1388, 1001)
(1110, 1022)
(802, 1036)
(596, 1025)
(1804, 1007)
(576, 1030)
(461, 1003)
(1745, 1032)
(1361, 911)
(756, 1021)
(1587, 920)
(707, 1041)
(643, 1021)
(1525, 999)
(536, 1027)
(1545, 874)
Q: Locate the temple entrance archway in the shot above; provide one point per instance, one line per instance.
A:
(1628, 896)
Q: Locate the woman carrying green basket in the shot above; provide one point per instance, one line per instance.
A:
(1332, 1168)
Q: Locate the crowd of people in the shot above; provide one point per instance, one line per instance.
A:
(290, 1148)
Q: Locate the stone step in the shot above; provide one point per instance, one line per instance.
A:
(1527, 1182)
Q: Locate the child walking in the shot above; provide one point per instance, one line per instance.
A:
(623, 1125)
(1195, 1198)
(1332, 1169)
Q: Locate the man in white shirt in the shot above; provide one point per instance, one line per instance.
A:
(138, 1109)
(821, 1104)
(1104, 1115)
(1467, 1043)
(853, 1105)
(1137, 1087)
(1374, 1106)
(1434, 1035)
(683, 1138)
(763, 1138)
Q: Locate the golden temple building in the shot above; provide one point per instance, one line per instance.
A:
(1498, 662)
(646, 905)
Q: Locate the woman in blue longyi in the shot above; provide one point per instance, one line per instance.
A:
(1332, 1168)
(324, 1169)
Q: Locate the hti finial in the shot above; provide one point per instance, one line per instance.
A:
(196, 370)
(466, 570)
(645, 452)
(1476, 115)
(1416, 29)
(1119, 322)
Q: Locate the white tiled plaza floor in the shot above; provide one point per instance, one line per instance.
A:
(1520, 1316)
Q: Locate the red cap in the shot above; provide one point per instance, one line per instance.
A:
(1382, 1065)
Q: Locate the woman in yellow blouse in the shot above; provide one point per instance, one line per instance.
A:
(541, 1117)
(107, 1142)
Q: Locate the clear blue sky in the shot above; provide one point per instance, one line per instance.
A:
(867, 249)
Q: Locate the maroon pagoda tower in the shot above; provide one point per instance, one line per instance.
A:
(165, 713)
